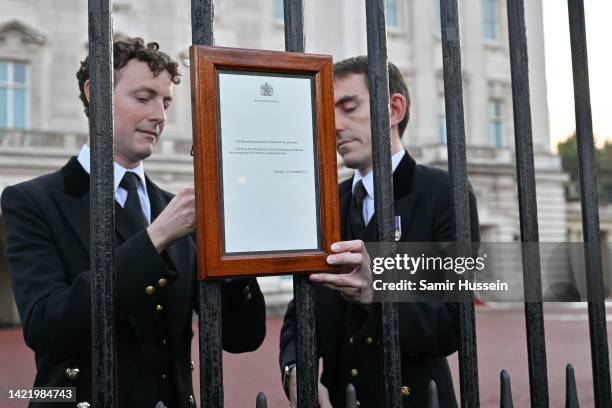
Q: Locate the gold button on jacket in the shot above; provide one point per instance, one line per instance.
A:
(72, 373)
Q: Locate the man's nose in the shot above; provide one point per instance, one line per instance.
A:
(340, 122)
(158, 113)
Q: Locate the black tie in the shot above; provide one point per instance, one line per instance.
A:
(358, 227)
(132, 202)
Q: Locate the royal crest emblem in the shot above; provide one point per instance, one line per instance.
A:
(266, 89)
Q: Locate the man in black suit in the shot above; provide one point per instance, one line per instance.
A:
(348, 322)
(47, 246)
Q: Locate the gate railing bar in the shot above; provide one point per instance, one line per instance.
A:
(378, 80)
(102, 198)
(306, 364)
(528, 209)
(351, 396)
(589, 204)
(571, 395)
(455, 129)
(209, 316)
(432, 395)
(505, 390)
(261, 401)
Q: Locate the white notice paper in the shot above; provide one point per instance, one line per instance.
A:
(268, 163)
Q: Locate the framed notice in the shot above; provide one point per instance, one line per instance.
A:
(265, 161)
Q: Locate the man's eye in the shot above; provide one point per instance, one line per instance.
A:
(141, 99)
(349, 109)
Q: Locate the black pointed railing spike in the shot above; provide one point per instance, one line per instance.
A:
(351, 396)
(432, 395)
(505, 393)
(261, 401)
(571, 395)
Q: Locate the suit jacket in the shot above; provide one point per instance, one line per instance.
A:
(47, 247)
(348, 334)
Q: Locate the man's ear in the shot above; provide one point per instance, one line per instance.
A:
(397, 108)
(86, 89)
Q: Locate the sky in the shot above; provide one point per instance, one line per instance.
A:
(598, 15)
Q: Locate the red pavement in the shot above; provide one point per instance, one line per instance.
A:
(501, 344)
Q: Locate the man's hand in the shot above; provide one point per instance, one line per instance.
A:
(323, 394)
(175, 221)
(355, 284)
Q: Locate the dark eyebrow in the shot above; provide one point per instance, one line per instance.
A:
(347, 98)
(150, 91)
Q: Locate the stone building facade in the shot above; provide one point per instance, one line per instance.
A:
(42, 42)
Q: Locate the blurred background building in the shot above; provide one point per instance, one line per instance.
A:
(42, 122)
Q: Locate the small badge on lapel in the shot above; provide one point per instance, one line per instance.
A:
(398, 227)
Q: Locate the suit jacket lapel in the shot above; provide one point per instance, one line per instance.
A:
(76, 212)
(73, 201)
(345, 203)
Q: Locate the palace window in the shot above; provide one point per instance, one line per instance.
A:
(13, 94)
(490, 20)
(496, 133)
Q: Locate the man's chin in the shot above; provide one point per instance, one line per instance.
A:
(350, 161)
(144, 153)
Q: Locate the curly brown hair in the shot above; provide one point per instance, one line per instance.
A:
(124, 50)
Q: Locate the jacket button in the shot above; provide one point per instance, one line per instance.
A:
(354, 372)
(248, 297)
(163, 376)
(405, 391)
(357, 403)
(72, 373)
(369, 340)
(246, 289)
(150, 290)
(159, 308)
(351, 340)
(191, 401)
(191, 366)
(162, 282)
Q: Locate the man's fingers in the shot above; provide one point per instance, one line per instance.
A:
(344, 280)
(348, 246)
(346, 258)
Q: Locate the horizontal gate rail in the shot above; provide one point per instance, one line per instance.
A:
(528, 208)
(101, 211)
(589, 204)
(457, 166)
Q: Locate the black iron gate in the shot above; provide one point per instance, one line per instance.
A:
(102, 216)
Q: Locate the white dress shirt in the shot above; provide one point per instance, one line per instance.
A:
(368, 183)
(120, 192)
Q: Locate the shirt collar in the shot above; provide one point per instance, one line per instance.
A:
(83, 158)
(368, 179)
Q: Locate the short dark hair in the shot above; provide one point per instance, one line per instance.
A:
(397, 83)
(124, 50)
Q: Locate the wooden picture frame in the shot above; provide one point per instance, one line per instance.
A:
(255, 114)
